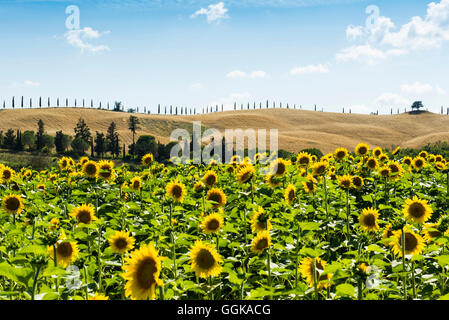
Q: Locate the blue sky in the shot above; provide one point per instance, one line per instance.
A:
(197, 53)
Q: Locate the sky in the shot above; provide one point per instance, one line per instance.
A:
(353, 54)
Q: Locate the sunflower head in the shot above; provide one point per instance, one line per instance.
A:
(319, 168)
(135, 183)
(413, 244)
(357, 182)
(418, 163)
(341, 153)
(368, 219)
(304, 159)
(212, 223)
(261, 242)
(84, 214)
(147, 159)
(395, 151)
(142, 271)
(98, 296)
(384, 172)
(345, 181)
(362, 149)
(260, 221)
(423, 154)
(6, 174)
(205, 260)
(13, 204)
(310, 184)
(272, 180)
(217, 196)
(91, 169)
(106, 170)
(308, 266)
(290, 194)
(417, 210)
(279, 167)
(66, 251)
(198, 186)
(377, 152)
(372, 163)
(121, 242)
(210, 178)
(176, 190)
(407, 161)
(396, 170)
(245, 174)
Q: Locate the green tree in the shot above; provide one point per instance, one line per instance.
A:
(82, 131)
(62, 141)
(29, 138)
(100, 144)
(39, 135)
(19, 144)
(145, 144)
(112, 140)
(79, 145)
(10, 139)
(117, 106)
(133, 125)
(48, 141)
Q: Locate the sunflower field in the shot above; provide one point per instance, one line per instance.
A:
(366, 224)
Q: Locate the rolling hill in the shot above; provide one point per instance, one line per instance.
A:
(298, 129)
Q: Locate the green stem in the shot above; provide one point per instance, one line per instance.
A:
(85, 280)
(403, 262)
(269, 270)
(36, 276)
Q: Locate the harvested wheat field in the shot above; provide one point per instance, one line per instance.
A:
(298, 129)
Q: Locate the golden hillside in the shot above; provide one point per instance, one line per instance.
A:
(298, 129)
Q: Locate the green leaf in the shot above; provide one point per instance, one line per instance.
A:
(309, 226)
(345, 290)
(443, 260)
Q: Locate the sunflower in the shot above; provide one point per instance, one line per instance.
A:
(417, 210)
(40, 187)
(368, 219)
(84, 214)
(319, 168)
(198, 186)
(306, 268)
(387, 232)
(310, 184)
(246, 173)
(236, 158)
(358, 182)
(341, 153)
(303, 159)
(418, 163)
(83, 160)
(142, 271)
(272, 180)
(407, 160)
(54, 223)
(431, 232)
(6, 174)
(99, 297)
(135, 183)
(384, 172)
(439, 158)
(279, 167)
(362, 149)
(260, 221)
(176, 190)
(205, 260)
(261, 242)
(121, 242)
(372, 163)
(440, 166)
(345, 181)
(64, 163)
(90, 169)
(396, 170)
(414, 243)
(314, 158)
(384, 157)
(395, 151)
(377, 152)
(106, 170)
(290, 194)
(13, 204)
(210, 178)
(423, 154)
(66, 251)
(212, 223)
(218, 196)
(147, 159)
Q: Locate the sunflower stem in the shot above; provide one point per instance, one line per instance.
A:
(36, 276)
(413, 280)
(347, 214)
(85, 280)
(315, 284)
(403, 262)
(269, 270)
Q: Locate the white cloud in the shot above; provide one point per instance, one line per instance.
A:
(24, 84)
(382, 39)
(215, 12)
(366, 53)
(417, 88)
(78, 38)
(236, 74)
(228, 102)
(258, 74)
(440, 90)
(353, 32)
(392, 100)
(319, 68)
(196, 86)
